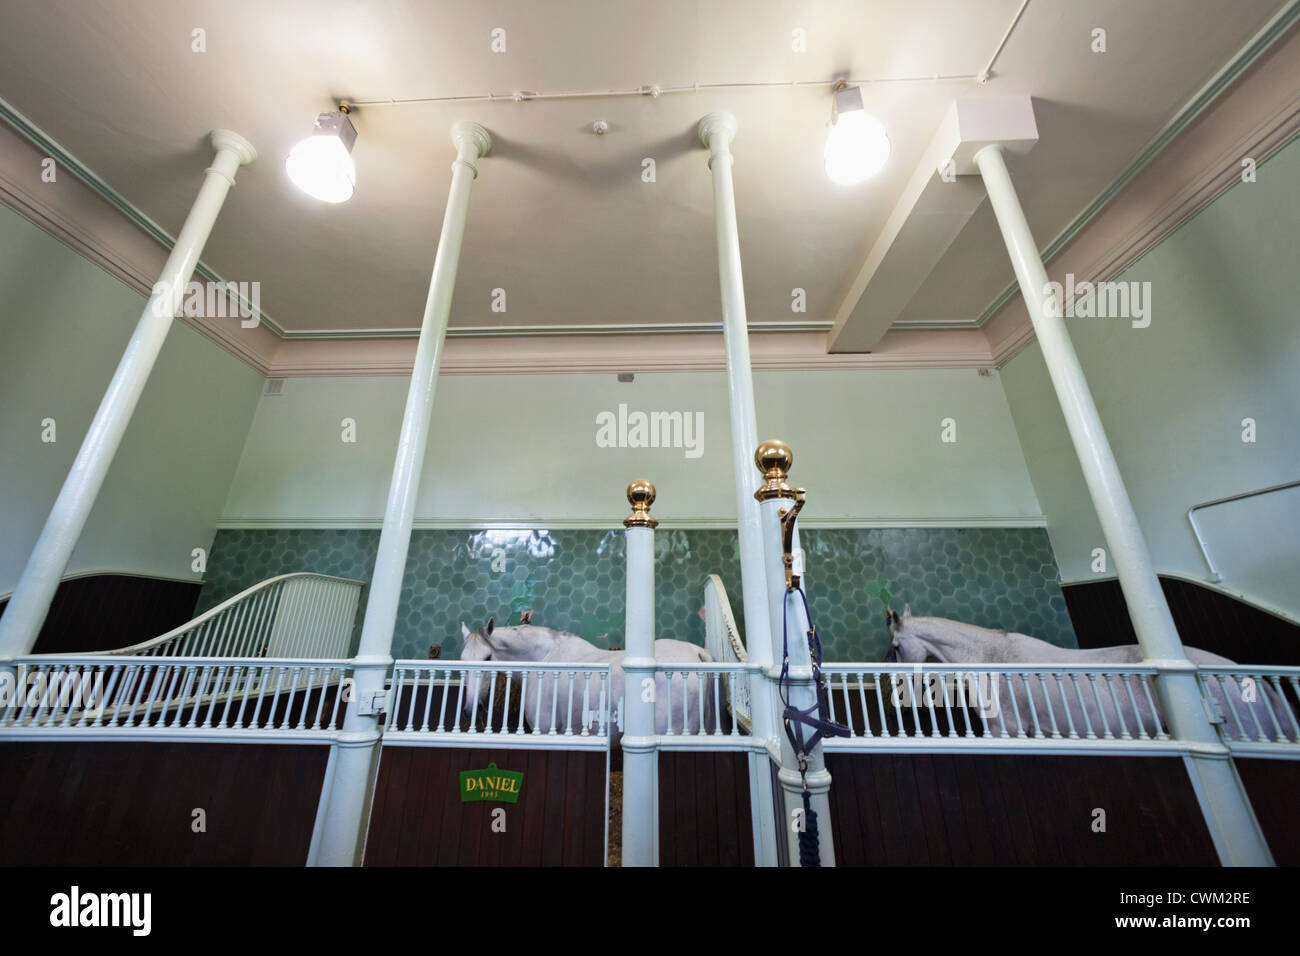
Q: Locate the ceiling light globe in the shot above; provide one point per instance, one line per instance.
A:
(321, 166)
(856, 148)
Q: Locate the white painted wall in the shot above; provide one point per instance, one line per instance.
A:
(1223, 345)
(64, 323)
(522, 449)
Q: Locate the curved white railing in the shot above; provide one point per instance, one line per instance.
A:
(723, 642)
(300, 615)
(96, 695)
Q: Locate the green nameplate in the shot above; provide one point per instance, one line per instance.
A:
(491, 784)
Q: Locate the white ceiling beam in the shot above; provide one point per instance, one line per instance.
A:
(940, 197)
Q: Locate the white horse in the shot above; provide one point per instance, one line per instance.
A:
(1122, 703)
(548, 695)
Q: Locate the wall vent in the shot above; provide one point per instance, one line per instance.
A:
(274, 386)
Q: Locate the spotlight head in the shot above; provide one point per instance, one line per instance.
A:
(321, 165)
(857, 146)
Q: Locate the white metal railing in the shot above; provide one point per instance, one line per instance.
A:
(1215, 574)
(300, 615)
(511, 704)
(723, 642)
(1257, 708)
(88, 695)
(996, 706)
(695, 703)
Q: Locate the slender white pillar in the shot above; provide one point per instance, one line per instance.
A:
(787, 616)
(1228, 812)
(346, 795)
(640, 745)
(31, 599)
(716, 131)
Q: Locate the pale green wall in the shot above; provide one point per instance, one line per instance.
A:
(523, 449)
(1223, 345)
(64, 323)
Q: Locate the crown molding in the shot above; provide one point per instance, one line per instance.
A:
(516, 331)
(643, 352)
(613, 524)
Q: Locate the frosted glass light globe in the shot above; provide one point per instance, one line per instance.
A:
(322, 167)
(856, 148)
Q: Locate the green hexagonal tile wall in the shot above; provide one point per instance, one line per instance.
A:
(574, 580)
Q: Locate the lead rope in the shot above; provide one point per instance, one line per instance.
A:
(814, 716)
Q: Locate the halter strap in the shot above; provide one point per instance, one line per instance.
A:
(815, 716)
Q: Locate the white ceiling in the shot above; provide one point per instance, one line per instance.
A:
(560, 217)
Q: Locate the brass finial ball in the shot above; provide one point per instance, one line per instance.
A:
(774, 455)
(640, 495)
(774, 459)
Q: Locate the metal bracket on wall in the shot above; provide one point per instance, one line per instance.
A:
(1214, 711)
(376, 705)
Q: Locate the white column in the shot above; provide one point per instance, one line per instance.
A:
(787, 616)
(347, 795)
(1227, 809)
(716, 131)
(639, 743)
(31, 599)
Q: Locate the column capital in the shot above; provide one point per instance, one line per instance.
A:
(233, 142)
(721, 124)
(473, 134)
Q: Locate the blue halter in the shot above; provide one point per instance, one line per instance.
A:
(797, 720)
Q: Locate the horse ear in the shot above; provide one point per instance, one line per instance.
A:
(907, 610)
(491, 624)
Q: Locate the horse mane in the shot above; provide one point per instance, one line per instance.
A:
(961, 625)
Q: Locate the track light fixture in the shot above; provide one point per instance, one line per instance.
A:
(321, 165)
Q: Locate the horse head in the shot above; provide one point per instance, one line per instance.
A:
(477, 645)
(907, 646)
(505, 644)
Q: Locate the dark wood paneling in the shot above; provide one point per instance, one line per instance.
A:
(103, 612)
(704, 813)
(987, 810)
(131, 804)
(1272, 786)
(418, 819)
(1204, 618)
